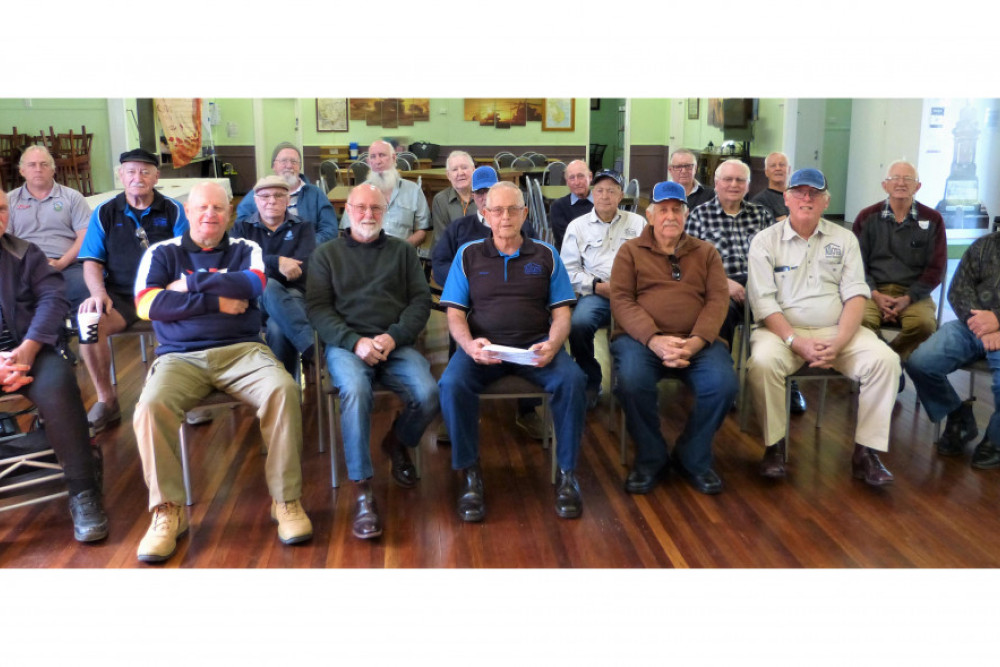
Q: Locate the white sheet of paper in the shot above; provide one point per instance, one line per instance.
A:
(514, 355)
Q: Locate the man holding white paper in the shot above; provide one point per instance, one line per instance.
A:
(514, 291)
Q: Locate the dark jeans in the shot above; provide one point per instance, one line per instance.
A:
(590, 314)
(710, 377)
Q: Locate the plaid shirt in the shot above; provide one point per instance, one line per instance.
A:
(729, 234)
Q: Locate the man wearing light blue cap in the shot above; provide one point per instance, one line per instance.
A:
(808, 292)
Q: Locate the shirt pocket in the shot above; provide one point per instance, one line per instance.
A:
(831, 269)
(919, 249)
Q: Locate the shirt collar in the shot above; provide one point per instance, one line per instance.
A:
(573, 199)
(188, 244)
(889, 214)
(379, 241)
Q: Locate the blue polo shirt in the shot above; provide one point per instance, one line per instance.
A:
(508, 298)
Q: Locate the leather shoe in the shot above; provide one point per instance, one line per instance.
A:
(865, 465)
(90, 523)
(569, 504)
(403, 471)
(642, 482)
(959, 430)
(986, 456)
(471, 503)
(798, 400)
(772, 465)
(366, 524)
(707, 482)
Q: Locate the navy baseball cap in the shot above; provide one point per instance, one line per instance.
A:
(484, 178)
(812, 177)
(665, 190)
(608, 173)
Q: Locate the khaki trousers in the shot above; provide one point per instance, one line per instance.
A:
(917, 321)
(865, 359)
(246, 371)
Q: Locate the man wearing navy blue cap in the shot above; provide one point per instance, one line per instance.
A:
(807, 289)
(669, 299)
(588, 251)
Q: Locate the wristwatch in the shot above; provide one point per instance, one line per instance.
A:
(788, 341)
(593, 285)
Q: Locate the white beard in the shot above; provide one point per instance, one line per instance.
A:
(386, 181)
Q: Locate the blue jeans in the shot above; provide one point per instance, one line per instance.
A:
(710, 377)
(949, 348)
(289, 333)
(590, 314)
(407, 373)
(464, 379)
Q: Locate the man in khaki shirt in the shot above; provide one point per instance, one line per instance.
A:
(807, 289)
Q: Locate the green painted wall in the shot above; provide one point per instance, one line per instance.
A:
(649, 121)
(37, 114)
(604, 127)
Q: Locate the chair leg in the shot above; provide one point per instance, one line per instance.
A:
(114, 373)
(142, 347)
(621, 435)
(333, 412)
(185, 467)
(788, 416)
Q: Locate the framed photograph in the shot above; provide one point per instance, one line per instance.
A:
(331, 114)
(693, 105)
(560, 114)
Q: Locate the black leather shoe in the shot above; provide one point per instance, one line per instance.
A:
(798, 400)
(569, 503)
(641, 482)
(367, 524)
(772, 465)
(403, 472)
(90, 523)
(707, 482)
(959, 430)
(865, 465)
(986, 456)
(471, 503)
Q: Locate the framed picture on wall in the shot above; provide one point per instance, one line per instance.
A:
(693, 105)
(560, 114)
(331, 114)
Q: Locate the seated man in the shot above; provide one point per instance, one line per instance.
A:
(200, 290)
(369, 300)
(287, 243)
(509, 290)
(773, 196)
(119, 232)
(305, 201)
(455, 201)
(588, 251)
(974, 335)
(32, 308)
(807, 290)
(905, 252)
(53, 217)
(570, 207)
(669, 298)
(408, 216)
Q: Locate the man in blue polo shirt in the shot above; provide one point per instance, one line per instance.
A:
(119, 232)
(510, 290)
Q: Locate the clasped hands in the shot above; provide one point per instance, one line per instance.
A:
(376, 349)
(891, 307)
(984, 324)
(817, 353)
(673, 351)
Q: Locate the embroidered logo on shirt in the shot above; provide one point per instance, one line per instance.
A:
(160, 222)
(833, 251)
(58, 206)
(289, 236)
(532, 269)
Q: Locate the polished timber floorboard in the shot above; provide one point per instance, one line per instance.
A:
(940, 512)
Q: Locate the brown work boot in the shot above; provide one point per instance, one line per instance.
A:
(772, 465)
(169, 523)
(294, 525)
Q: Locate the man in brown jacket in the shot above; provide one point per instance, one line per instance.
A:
(669, 297)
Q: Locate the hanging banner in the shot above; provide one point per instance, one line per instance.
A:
(181, 123)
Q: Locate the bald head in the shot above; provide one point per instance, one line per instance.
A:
(365, 207)
(208, 210)
(381, 156)
(776, 170)
(578, 178)
(38, 170)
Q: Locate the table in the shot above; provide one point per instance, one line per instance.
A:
(338, 197)
(435, 180)
(175, 188)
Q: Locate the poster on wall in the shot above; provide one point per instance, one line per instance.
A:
(180, 120)
(331, 114)
(560, 114)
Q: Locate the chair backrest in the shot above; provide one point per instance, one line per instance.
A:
(360, 170)
(597, 157)
(410, 157)
(632, 191)
(554, 174)
(402, 164)
(330, 173)
(538, 159)
(503, 160)
(540, 219)
(522, 163)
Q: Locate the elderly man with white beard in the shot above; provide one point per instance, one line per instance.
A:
(408, 216)
(305, 201)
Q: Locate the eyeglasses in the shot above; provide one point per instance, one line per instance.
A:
(277, 197)
(681, 167)
(511, 211)
(675, 267)
(376, 210)
(807, 192)
(145, 173)
(902, 179)
(293, 162)
(729, 180)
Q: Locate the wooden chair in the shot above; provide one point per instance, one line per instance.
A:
(79, 149)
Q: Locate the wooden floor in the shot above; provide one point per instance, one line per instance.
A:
(940, 512)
